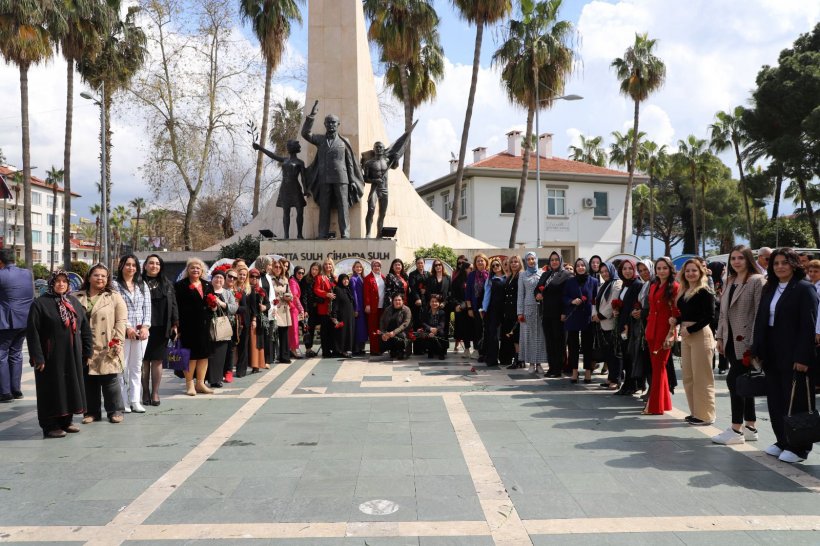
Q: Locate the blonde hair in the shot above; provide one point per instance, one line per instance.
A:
(238, 284)
(331, 262)
(198, 262)
(688, 290)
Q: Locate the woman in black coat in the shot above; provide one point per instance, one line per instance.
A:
(164, 322)
(463, 327)
(59, 343)
(508, 349)
(343, 317)
(194, 323)
(784, 340)
(550, 292)
(629, 329)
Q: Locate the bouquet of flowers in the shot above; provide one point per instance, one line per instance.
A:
(617, 305)
(114, 347)
(210, 301)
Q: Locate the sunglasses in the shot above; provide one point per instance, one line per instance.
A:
(254, 276)
(234, 277)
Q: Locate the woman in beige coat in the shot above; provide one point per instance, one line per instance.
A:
(280, 311)
(108, 316)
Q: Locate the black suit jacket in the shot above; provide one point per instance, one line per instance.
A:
(792, 337)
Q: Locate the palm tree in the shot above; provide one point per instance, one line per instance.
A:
(270, 20)
(54, 177)
(88, 232)
(96, 211)
(400, 28)
(653, 161)
(88, 22)
(18, 183)
(640, 198)
(728, 131)
(26, 39)
(590, 151)
(620, 151)
(692, 152)
(119, 216)
(708, 172)
(537, 51)
(139, 204)
(481, 13)
(286, 120)
(123, 53)
(641, 73)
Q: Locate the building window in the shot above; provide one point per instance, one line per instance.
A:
(556, 202)
(36, 219)
(36, 198)
(37, 255)
(49, 201)
(50, 219)
(509, 197)
(432, 202)
(57, 238)
(462, 202)
(601, 204)
(445, 205)
(36, 236)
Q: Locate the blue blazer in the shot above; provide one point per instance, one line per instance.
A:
(580, 318)
(16, 297)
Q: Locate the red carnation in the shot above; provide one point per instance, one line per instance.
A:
(521, 318)
(747, 357)
(340, 325)
(377, 333)
(739, 338)
(276, 301)
(237, 295)
(210, 301)
(113, 343)
(541, 288)
(636, 306)
(260, 291)
(192, 286)
(411, 336)
(617, 304)
(583, 299)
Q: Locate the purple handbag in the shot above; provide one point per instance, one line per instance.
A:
(177, 357)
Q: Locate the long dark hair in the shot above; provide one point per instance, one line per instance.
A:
(401, 274)
(668, 293)
(87, 282)
(748, 257)
(793, 260)
(309, 273)
(121, 266)
(161, 265)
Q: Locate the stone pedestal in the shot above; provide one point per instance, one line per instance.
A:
(305, 252)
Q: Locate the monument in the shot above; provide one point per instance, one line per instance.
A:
(340, 78)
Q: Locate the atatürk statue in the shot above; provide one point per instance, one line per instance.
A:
(334, 177)
(291, 192)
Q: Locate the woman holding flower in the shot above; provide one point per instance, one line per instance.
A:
(222, 302)
(603, 313)
(577, 315)
(661, 333)
(108, 315)
(343, 316)
(532, 349)
(195, 316)
(282, 296)
(323, 289)
(257, 305)
(629, 325)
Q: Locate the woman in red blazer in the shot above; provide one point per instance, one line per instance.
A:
(373, 303)
(323, 288)
(661, 333)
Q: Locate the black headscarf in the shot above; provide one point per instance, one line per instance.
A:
(582, 278)
(557, 277)
(341, 286)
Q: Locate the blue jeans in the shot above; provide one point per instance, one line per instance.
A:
(11, 360)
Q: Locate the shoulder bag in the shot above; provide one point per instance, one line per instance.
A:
(751, 384)
(802, 428)
(221, 329)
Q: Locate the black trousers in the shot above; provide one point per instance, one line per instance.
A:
(479, 342)
(109, 386)
(492, 328)
(216, 362)
(778, 397)
(398, 346)
(436, 346)
(327, 336)
(242, 353)
(282, 344)
(580, 343)
(313, 321)
(228, 365)
(743, 409)
(556, 339)
(60, 422)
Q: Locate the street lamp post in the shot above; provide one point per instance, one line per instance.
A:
(104, 198)
(538, 158)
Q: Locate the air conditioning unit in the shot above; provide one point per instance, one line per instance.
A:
(588, 203)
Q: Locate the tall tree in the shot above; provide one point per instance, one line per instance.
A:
(691, 154)
(481, 13)
(620, 151)
(400, 28)
(591, 150)
(641, 73)
(138, 203)
(728, 131)
(286, 121)
(53, 177)
(88, 22)
(537, 52)
(640, 200)
(123, 53)
(270, 21)
(654, 162)
(96, 212)
(27, 30)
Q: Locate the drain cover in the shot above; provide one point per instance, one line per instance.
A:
(379, 507)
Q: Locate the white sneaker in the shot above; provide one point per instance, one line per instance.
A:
(729, 438)
(749, 434)
(127, 410)
(790, 457)
(136, 407)
(773, 450)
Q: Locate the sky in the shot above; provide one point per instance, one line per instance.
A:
(713, 50)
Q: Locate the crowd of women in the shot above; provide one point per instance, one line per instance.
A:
(104, 345)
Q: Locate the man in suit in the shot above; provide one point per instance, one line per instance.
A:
(334, 177)
(16, 296)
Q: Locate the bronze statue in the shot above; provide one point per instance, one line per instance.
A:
(334, 177)
(375, 166)
(291, 192)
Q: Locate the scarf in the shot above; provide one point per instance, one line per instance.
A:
(582, 278)
(481, 277)
(528, 269)
(613, 276)
(68, 315)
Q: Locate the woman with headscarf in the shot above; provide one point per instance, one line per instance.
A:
(577, 315)
(342, 315)
(510, 327)
(164, 321)
(59, 343)
(360, 333)
(661, 333)
(550, 292)
(641, 362)
(628, 326)
(473, 298)
(604, 315)
(531, 349)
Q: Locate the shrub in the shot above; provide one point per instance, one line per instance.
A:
(246, 248)
(443, 253)
(80, 268)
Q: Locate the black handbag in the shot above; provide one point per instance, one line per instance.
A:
(751, 384)
(802, 428)
(601, 343)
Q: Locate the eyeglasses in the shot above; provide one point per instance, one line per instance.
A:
(233, 277)
(496, 265)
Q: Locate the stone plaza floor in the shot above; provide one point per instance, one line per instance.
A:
(326, 452)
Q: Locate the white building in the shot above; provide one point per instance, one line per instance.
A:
(42, 218)
(581, 205)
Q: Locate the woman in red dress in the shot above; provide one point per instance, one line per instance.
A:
(374, 304)
(323, 289)
(660, 334)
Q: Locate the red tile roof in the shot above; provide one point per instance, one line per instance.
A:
(8, 173)
(504, 160)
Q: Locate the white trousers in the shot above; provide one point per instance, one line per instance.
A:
(131, 377)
